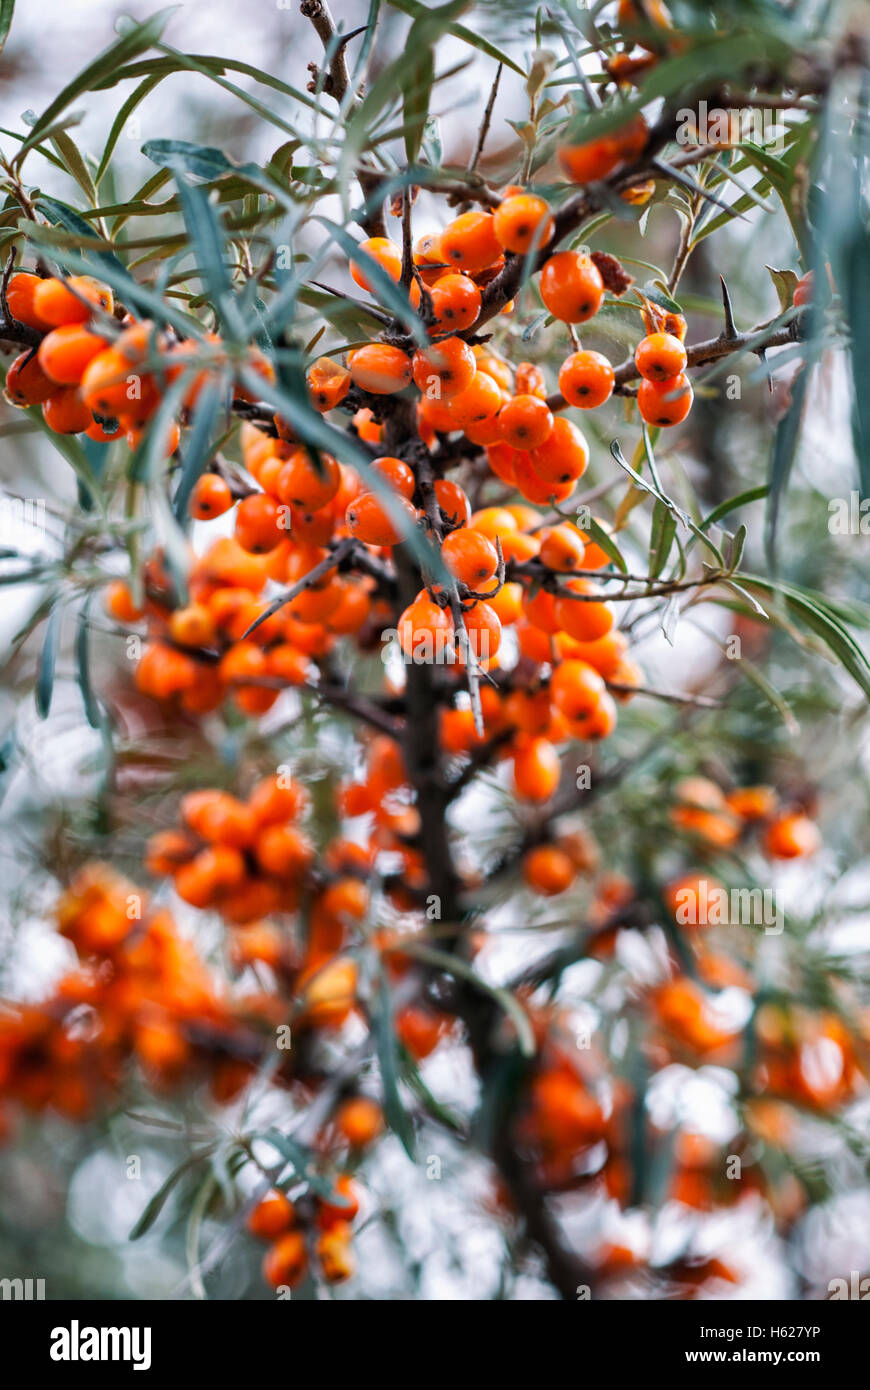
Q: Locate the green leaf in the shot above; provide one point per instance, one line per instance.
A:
(782, 459)
(785, 284)
(822, 622)
(158, 1201)
(198, 447)
(48, 662)
(733, 504)
(385, 1041)
(64, 216)
(123, 116)
(7, 9)
(664, 529)
(459, 31)
(83, 665)
(603, 539)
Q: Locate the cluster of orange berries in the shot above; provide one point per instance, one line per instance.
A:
(140, 991)
(720, 819)
(289, 1231)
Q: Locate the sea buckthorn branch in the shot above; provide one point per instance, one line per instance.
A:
(336, 83)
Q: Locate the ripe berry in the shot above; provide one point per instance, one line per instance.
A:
(469, 557)
(423, 630)
(286, 1262)
(470, 242)
(522, 221)
(328, 383)
(666, 402)
(536, 770)
(455, 303)
(359, 1120)
(258, 524)
(563, 456)
(380, 369)
(660, 356)
(369, 520)
(576, 688)
(308, 482)
(562, 548)
(548, 870)
(65, 412)
(581, 618)
(19, 299)
(792, 837)
(453, 501)
(26, 382)
(66, 351)
(444, 369)
(272, 1215)
(571, 287)
(526, 422)
(397, 473)
(586, 379)
(387, 255)
(211, 497)
(70, 301)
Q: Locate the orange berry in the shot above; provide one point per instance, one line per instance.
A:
(65, 412)
(803, 290)
(192, 626)
(369, 520)
(470, 242)
(286, 1262)
(328, 383)
(385, 252)
(484, 632)
(284, 851)
(423, 630)
(444, 369)
(380, 369)
(334, 1253)
(118, 603)
(27, 383)
(66, 351)
(272, 1216)
(397, 474)
(453, 501)
(210, 497)
(594, 160)
(752, 803)
(526, 422)
(359, 1120)
(20, 294)
(564, 454)
(345, 1208)
(562, 548)
(70, 301)
(791, 837)
(665, 402)
(536, 770)
(522, 221)
(576, 688)
(548, 870)
(455, 303)
(586, 379)
(258, 524)
(309, 482)
(469, 557)
(660, 356)
(571, 287)
(585, 620)
(533, 485)
(218, 818)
